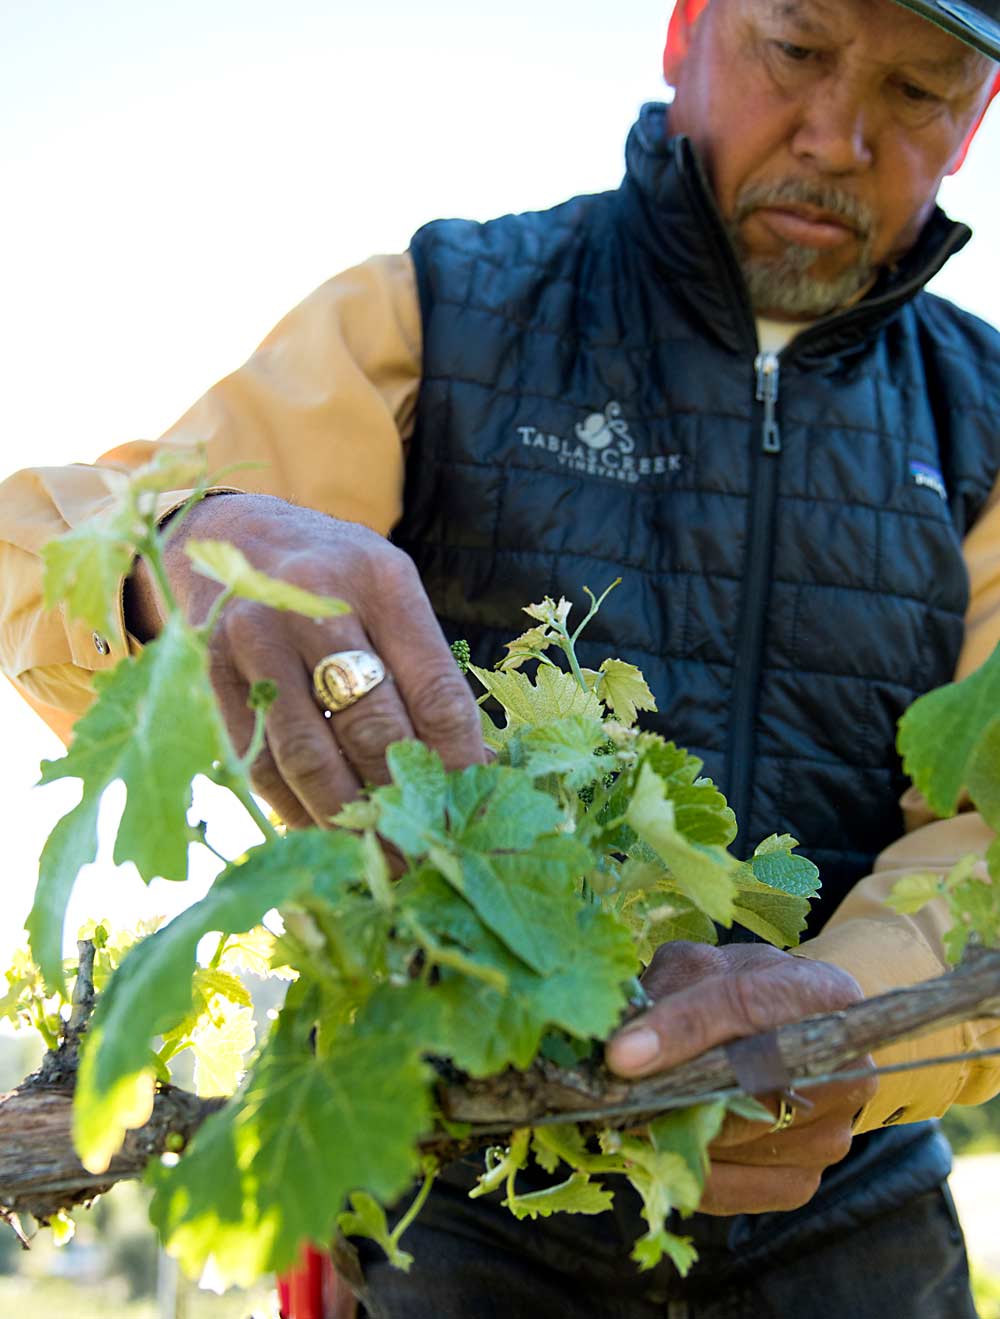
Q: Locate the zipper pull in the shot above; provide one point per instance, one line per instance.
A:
(768, 369)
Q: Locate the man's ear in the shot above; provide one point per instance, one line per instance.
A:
(960, 158)
(682, 21)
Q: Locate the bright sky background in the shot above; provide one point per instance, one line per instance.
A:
(177, 176)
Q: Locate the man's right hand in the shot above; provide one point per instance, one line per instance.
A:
(313, 763)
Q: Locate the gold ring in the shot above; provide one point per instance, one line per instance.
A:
(785, 1118)
(344, 677)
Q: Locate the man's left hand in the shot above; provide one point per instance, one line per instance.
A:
(707, 996)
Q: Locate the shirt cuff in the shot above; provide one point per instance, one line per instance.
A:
(92, 650)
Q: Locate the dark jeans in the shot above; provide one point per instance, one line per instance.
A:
(473, 1260)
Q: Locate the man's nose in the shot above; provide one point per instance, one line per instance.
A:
(835, 130)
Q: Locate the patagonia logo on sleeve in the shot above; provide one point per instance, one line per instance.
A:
(929, 477)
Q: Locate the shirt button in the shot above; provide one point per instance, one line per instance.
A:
(101, 645)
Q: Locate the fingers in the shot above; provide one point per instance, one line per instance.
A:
(233, 690)
(747, 992)
(268, 783)
(834, 1104)
(313, 763)
(754, 1170)
(731, 1189)
(408, 639)
(813, 1147)
(302, 773)
(679, 964)
(811, 1141)
(304, 749)
(780, 1170)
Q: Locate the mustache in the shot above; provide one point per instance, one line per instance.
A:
(828, 197)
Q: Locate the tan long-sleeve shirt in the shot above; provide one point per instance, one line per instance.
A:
(326, 405)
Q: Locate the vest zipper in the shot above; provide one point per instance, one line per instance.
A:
(750, 654)
(768, 369)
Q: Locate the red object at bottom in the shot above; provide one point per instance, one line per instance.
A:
(314, 1290)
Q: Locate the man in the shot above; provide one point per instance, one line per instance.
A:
(723, 382)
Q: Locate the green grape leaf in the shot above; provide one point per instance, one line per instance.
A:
(136, 711)
(561, 1050)
(527, 898)
(624, 690)
(774, 865)
(701, 813)
(689, 1132)
(565, 1142)
(172, 469)
(975, 909)
(226, 564)
(484, 1029)
(24, 986)
(993, 860)
(544, 1155)
(652, 1247)
(220, 1043)
(529, 645)
(496, 809)
(70, 846)
(983, 775)
(553, 695)
(253, 952)
(353, 933)
(745, 1106)
(665, 1182)
(411, 812)
(84, 569)
(662, 916)
(558, 694)
(377, 874)
(939, 734)
(366, 1218)
(567, 747)
(358, 814)
(704, 874)
(275, 1167)
(577, 1195)
(956, 941)
(210, 980)
(62, 1227)
(495, 738)
(550, 613)
(963, 869)
(491, 834)
(772, 914)
(151, 992)
(913, 892)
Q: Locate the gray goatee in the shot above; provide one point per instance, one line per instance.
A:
(783, 283)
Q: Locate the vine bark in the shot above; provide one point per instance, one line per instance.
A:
(40, 1174)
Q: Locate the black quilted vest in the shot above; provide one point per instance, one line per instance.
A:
(792, 565)
(791, 559)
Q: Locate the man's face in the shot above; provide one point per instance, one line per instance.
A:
(826, 127)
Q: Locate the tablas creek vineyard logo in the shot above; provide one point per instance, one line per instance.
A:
(603, 447)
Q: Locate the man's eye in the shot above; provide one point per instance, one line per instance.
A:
(796, 54)
(918, 95)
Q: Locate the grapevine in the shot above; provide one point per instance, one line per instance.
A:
(533, 892)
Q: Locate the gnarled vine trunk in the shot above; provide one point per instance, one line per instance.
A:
(39, 1171)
